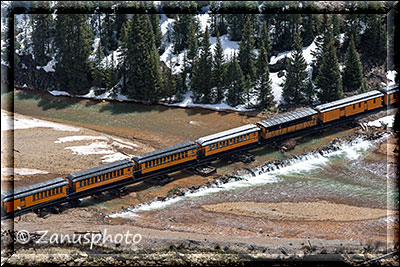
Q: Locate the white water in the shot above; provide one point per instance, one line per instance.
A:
(351, 151)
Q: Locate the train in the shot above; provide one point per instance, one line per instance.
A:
(123, 172)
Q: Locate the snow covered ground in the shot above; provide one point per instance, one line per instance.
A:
(20, 171)
(390, 76)
(18, 122)
(188, 102)
(388, 120)
(107, 146)
(176, 62)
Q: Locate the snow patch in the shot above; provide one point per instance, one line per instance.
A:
(99, 147)
(306, 54)
(18, 122)
(59, 93)
(188, 102)
(388, 120)
(79, 138)
(49, 66)
(20, 171)
(391, 74)
(276, 87)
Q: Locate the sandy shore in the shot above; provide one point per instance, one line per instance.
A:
(305, 211)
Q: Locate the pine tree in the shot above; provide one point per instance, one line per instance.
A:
(322, 42)
(308, 30)
(155, 23)
(192, 45)
(184, 25)
(235, 83)
(247, 93)
(218, 71)
(352, 29)
(218, 22)
(98, 73)
(309, 92)
(168, 81)
(264, 38)
(246, 46)
(42, 36)
(352, 74)
(374, 48)
(201, 82)
(263, 82)
(141, 60)
(329, 80)
(73, 40)
(296, 74)
(236, 24)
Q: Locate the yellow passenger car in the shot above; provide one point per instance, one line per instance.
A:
(288, 123)
(34, 196)
(101, 175)
(227, 140)
(391, 94)
(349, 106)
(165, 158)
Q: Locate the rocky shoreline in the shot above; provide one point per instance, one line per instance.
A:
(267, 166)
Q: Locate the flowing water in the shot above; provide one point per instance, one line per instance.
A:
(342, 175)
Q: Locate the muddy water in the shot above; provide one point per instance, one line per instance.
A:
(160, 124)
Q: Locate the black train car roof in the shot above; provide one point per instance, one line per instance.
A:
(33, 189)
(289, 117)
(228, 134)
(106, 168)
(390, 89)
(355, 99)
(168, 151)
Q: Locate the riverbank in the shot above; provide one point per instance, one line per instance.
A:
(220, 243)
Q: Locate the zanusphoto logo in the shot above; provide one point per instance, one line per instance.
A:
(43, 237)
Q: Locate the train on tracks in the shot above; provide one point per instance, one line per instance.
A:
(120, 173)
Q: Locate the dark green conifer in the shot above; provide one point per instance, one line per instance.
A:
(73, 40)
(201, 82)
(218, 71)
(246, 46)
(353, 73)
(296, 74)
(329, 80)
(263, 82)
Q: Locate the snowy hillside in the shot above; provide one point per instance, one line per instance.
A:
(168, 57)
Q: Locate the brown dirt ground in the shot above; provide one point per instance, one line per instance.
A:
(308, 211)
(38, 149)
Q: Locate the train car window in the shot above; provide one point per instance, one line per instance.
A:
(354, 106)
(80, 184)
(34, 197)
(359, 105)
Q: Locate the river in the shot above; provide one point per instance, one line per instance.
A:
(355, 175)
